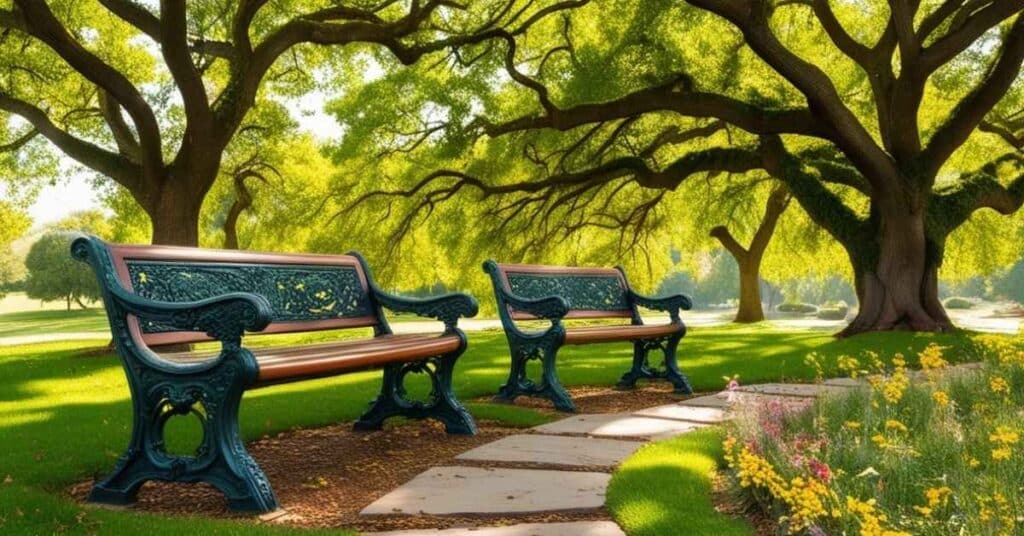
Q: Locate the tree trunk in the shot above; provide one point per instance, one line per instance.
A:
(174, 210)
(175, 224)
(749, 258)
(899, 290)
(750, 309)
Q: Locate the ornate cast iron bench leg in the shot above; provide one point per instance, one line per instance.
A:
(441, 403)
(220, 460)
(519, 384)
(642, 369)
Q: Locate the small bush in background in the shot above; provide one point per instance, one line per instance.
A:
(957, 302)
(798, 308)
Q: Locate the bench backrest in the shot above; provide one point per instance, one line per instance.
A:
(306, 292)
(591, 292)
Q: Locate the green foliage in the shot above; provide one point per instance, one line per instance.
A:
(1010, 284)
(720, 283)
(958, 303)
(833, 311)
(54, 275)
(13, 224)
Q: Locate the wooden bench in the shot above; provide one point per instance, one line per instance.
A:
(554, 293)
(167, 295)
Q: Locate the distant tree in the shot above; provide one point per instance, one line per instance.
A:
(677, 282)
(748, 258)
(53, 275)
(1010, 284)
(722, 281)
(14, 224)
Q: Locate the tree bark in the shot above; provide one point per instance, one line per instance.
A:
(898, 289)
(750, 308)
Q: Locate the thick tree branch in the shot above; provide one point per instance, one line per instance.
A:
(19, 142)
(146, 22)
(175, 49)
(42, 24)
(677, 97)
(89, 155)
(952, 205)
(125, 139)
(973, 108)
(1013, 139)
(729, 242)
(960, 38)
(751, 17)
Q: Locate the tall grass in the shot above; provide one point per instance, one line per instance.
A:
(930, 453)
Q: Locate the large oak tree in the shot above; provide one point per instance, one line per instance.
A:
(151, 94)
(860, 110)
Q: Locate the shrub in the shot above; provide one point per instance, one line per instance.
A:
(833, 311)
(943, 454)
(798, 308)
(958, 303)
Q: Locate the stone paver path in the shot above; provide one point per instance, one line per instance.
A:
(617, 425)
(577, 528)
(480, 490)
(554, 450)
(679, 412)
(594, 443)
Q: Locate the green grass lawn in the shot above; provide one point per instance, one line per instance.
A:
(64, 411)
(42, 322)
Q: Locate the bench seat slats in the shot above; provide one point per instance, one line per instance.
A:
(276, 365)
(615, 333)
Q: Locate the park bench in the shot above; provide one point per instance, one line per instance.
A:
(158, 295)
(553, 293)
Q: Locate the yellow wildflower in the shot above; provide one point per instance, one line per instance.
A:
(852, 425)
(999, 385)
(1002, 453)
(871, 522)
(941, 398)
(931, 357)
(895, 426)
(1004, 435)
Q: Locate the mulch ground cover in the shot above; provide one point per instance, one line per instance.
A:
(323, 477)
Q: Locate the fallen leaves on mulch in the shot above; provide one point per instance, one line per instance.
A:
(323, 477)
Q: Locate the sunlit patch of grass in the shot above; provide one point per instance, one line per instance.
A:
(666, 488)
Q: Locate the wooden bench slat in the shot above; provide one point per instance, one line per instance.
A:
(352, 358)
(598, 334)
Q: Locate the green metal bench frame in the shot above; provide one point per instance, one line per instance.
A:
(212, 389)
(557, 293)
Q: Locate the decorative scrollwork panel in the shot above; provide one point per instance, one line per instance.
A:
(582, 292)
(295, 293)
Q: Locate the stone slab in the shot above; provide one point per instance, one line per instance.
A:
(679, 412)
(554, 450)
(791, 389)
(717, 400)
(616, 425)
(846, 382)
(492, 491)
(575, 528)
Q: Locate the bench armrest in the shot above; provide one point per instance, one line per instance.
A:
(670, 304)
(225, 318)
(447, 308)
(549, 307)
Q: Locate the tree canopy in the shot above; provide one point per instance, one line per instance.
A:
(890, 124)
